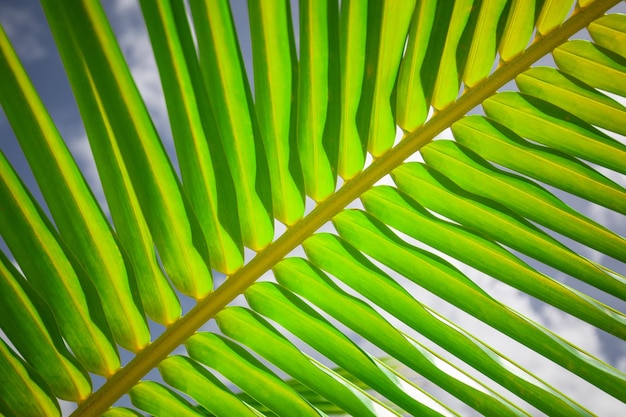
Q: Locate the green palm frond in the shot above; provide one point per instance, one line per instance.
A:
(338, 315)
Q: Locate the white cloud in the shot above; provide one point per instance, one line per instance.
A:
(137, 49)
(123, 6)
(67, 407)
(135, 44)
(25, 31)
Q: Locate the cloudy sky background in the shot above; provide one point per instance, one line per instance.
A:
(25, 24)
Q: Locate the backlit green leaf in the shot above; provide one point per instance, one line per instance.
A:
(121, 412)
(592, 65)
(20, 394)
(526, 198)
(283, 307)
(249, 329)
(80, 222)
(610, 32)
(412, 219)
(483, 47)
(231, 105)
(191, 378)
(274, 80)
(446, 88)
(37, 248)
(575, 97)
(187, 106)
(385, 47)
(133, 234)
(545, 123)
(436, 192)
(248, 373)
(411, 101)
(497, 144)
(444, 280)
(422, 298)
(171, 221)
(159, 400)
(352, 38)
(518, 29)
(552, 14)
(313, 98)
(27, 321)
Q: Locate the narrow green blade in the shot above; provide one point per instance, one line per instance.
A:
(309, 282)
(290, 312)
(420, 359)
(523, 196)
(189, 377)
(172, 223)
(553, 13)
(248, 328)
(77, 215)
(273, 54)
(412, 105)
(378, 405)
(158, 298)
(446, 88)
(159, 400)
(121, 412)
(574, 97)
(444, 280)
(518, 30)
(247, 373)
(169, 31)
(231, 104)
(38, 251)
(352, 37)
(545, 123)
(386, 47)
(592, 65)
(482, 51)
(27, 321)
(405, 215)
(610, 32)
(321, 404)
(22, 393)
(332, 128)
(498, 144)
(437, 193)
(313, 98)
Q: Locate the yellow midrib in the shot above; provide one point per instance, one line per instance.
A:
(121, 382)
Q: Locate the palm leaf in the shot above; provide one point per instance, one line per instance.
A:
(348, 281)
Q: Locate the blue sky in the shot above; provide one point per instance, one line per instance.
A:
(25, 24)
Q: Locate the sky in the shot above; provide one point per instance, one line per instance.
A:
(25, 24)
